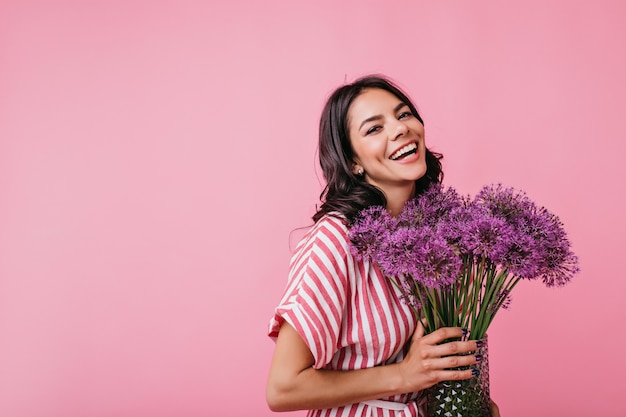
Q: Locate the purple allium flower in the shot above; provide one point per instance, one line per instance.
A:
(562, 272)
(430, 207)
(557, 262)
(475, 231)
(522, 259)
(440, 267)
(420, 253)
(396, 257)
(506, 203)
(369, 230)
(540, 247)
(489, 237)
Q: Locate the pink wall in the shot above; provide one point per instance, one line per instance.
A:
(155, 156)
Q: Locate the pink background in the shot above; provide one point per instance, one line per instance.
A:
(155, 158)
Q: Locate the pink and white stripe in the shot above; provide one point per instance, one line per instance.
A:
(349, 314)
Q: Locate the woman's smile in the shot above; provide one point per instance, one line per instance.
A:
(405, 152)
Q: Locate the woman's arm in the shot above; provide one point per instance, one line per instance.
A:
(294, 384)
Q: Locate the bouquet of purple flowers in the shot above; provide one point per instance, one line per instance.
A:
(457, 259)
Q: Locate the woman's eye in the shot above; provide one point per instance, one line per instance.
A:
(373, 129)
(405, 114)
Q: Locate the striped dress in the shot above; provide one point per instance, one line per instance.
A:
(348, 313)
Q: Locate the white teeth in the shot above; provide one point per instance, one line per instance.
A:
(403, 150)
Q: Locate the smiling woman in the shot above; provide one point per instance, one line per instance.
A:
(346, 343)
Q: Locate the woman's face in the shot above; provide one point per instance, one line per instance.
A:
(387, 140)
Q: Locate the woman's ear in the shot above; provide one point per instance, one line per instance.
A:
(358, 170)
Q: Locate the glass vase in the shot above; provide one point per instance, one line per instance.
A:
(467, 398)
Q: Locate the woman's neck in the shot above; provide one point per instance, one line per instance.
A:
(397, 197)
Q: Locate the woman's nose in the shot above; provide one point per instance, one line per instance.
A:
(400, 129)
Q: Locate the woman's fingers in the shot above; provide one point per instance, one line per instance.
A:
(447, 375)
(452, 348)
(449, 362)
(435, 337)
(445, 333)
(419, 330)
(433, 345)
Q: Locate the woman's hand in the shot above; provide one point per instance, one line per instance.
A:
(429, 360)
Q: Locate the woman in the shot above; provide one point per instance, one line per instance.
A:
(346, 343)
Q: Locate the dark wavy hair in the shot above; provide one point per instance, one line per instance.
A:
(346, 192)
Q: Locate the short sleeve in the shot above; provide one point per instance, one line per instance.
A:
(315, 298)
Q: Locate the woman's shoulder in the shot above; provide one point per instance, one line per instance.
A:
(333, 218)
(331, 229)
(334, 223)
